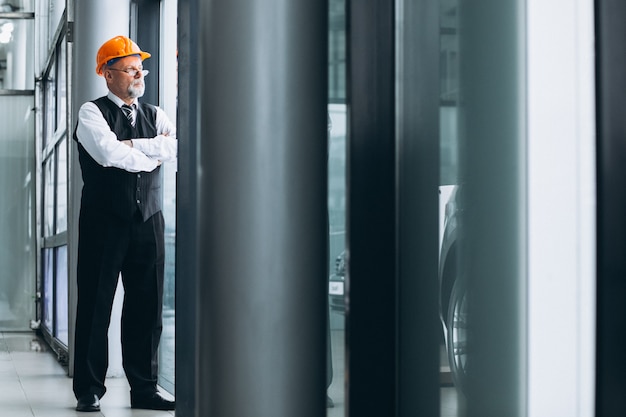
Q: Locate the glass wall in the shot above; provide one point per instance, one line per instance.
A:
(16, 66)
(53, 146)
(17, 6)
(168, 71)
(17, 166)
(17, 212)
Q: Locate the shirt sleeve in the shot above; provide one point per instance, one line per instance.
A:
(164, 146)
(101, 143)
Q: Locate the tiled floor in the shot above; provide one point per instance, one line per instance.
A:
(34, 384)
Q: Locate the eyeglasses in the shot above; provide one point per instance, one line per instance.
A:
(132, 71)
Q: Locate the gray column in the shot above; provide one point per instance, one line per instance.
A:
(417, 113)
(187, 299)
(262, 208)
(94, 22)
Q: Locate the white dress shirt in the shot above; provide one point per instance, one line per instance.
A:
(102, 143)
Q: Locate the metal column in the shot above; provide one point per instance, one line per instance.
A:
(262, 181)
(392, 335)
(418, 161)
(187, 211)
(371, 331)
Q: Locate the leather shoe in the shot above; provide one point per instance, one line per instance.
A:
(88, 402)
(152, 402)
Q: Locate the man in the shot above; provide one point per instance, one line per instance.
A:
(121, 144)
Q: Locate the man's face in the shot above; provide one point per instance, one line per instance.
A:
(121, 83)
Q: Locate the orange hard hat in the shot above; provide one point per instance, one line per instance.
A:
(117, 47)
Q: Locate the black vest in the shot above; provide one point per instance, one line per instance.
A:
(114, 190)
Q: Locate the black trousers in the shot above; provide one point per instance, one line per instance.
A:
(109, 246)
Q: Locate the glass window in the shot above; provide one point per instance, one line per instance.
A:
(61, 88)
(17, 214)
(449, 92)
(61, 299)
(54, 12)
(48, 197)
(337, 51)
(18, 6)
(54, 196)
(168, 101)
(337, 245)
(167, 346)
(16, 54)
(61, 186)
(48, 282)
(337, 128)
(50, 110)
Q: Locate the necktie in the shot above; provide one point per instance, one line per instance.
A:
(130, 114)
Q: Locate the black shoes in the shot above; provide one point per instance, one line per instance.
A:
(91, 402)
(152, 402)
(88, 402)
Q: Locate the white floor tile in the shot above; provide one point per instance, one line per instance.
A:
(34, 384)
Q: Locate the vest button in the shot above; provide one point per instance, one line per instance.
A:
(138, 202)
(138, 175)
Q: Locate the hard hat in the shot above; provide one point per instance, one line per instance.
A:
(117, 47)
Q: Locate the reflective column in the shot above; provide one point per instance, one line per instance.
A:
(262, 160)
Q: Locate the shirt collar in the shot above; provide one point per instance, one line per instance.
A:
(118, 101)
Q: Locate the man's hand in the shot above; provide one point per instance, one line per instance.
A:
(128, 142)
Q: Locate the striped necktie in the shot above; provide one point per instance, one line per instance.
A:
(129, 113)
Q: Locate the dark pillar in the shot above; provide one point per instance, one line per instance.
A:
(262, 184)
(611, 221)
(418, 207)
(371, 333)
(187, 278)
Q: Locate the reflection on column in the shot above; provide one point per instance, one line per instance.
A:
(337, 266)
(336, 205)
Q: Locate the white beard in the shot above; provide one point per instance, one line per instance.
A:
(136, 90)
